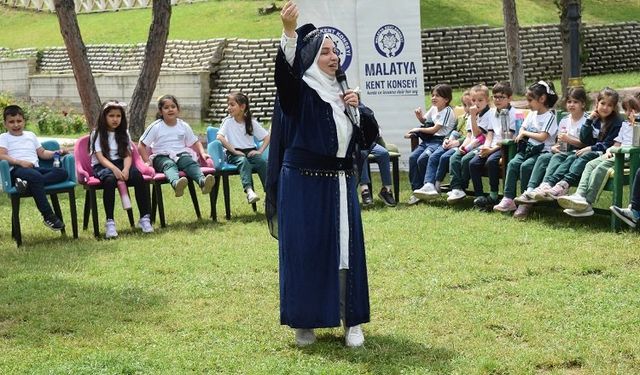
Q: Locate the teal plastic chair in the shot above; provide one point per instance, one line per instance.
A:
(68, 163)
(224, 169)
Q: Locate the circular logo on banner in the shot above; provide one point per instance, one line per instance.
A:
(344, 50)
(389, 41)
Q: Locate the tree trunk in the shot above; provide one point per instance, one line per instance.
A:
(154, 54)
(65, 11)
(514, 53)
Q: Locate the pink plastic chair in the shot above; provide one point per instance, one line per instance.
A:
(157, 201)
(91, 184)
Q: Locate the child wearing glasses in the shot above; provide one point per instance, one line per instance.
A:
(503, 119)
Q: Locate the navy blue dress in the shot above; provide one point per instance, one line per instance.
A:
(303, 184)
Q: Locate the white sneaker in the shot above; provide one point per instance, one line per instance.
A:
(353, 336)
(574, 202)
(145, 224)
(413, 200)
(179, 186)
(252, 197)
(110, 229)
(456, 195)
(427, 192)
(305, 337)
(581, 213)
(206, 184)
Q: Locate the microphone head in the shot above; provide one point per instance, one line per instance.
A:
(340, 76)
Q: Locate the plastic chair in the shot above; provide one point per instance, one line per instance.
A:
(92, 184)
(157, 201)
(224, 169)
(67, 162)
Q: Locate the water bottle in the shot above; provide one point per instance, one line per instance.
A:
(124, 195)
(504, 123)
(454, 135)
(562, 146)
(56, 159)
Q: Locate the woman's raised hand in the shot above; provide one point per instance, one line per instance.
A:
(289, 16)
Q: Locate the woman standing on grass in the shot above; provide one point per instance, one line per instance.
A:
(311, 180)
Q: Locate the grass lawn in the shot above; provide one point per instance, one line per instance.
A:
(239, 18)
(452, 291)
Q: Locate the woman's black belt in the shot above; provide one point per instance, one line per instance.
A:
(312, 164)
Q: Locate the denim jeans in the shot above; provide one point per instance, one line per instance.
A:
(438, 165)
(382, 158)
(476, 169)
(37, 178)
(418, 162)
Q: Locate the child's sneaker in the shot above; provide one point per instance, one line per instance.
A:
(252, 197)
(54, 223)
(413, 200)
(525, 198)
(505, 205)
(110, 229)
(367, 199)
(484, 203)
(145, 224)
(560, 189)
(426, 192)
(179, 186)
(21, 186)
(541, 193)
(579, 213)
(206, 184)
(628, 215)
(456, 196)
(387, 197)
(522, 212)
(574, 202)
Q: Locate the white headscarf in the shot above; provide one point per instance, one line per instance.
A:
(328, 89)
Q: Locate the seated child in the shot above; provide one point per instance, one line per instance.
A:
(237, 136)
(536, 136)
(554, 164)
(479, 123)
(437, 123)
(22, 150)
(438, 164)
(596, 172)
(503, 119)
(171, 140)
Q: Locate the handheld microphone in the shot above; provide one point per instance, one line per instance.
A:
(344, 86)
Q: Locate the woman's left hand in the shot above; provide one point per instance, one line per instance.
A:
(351, 98)
(254, 153)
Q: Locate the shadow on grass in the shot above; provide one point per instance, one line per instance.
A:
(34, 306)
(384, 354)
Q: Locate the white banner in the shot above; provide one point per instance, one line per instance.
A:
(379, 45)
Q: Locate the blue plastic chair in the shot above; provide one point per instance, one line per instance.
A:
(68, 163)
(223, 168)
